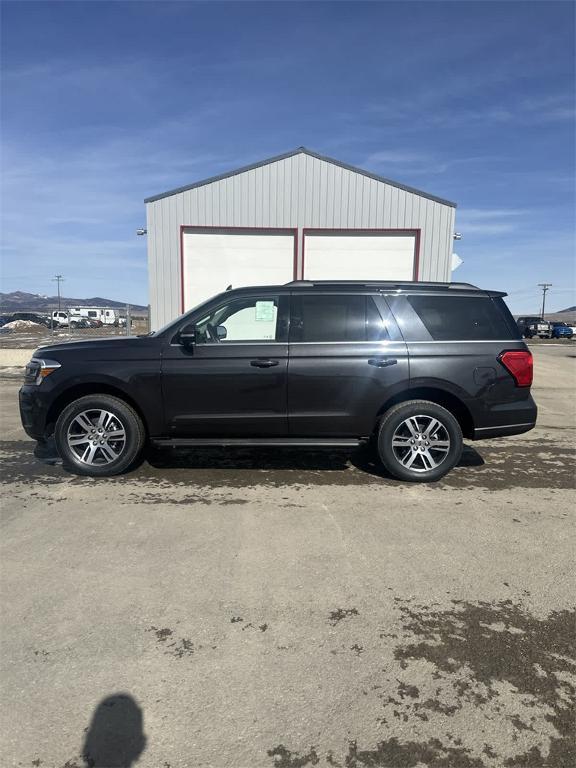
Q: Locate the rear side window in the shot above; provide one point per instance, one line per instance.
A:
(335, 318)
(464, 318)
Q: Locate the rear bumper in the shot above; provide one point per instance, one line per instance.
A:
(506, 419)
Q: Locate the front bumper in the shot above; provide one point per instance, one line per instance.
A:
(33, 411)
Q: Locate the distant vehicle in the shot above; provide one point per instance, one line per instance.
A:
(562, 331)
(60, 319)
(106, 315)
(79, 322)
(32, 317)
(534, 326)
(73, 319)
(93, 323)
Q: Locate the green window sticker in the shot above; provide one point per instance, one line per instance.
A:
(265, 311)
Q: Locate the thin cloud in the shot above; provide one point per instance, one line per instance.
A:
(419, 111)
(491, 221)
(420, 163)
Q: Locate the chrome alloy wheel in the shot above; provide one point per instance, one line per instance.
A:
(96, 437)
(421, 443)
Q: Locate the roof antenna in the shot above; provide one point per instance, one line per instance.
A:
(229, 287)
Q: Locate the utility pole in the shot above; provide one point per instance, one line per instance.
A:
(58, 279)
(545, 287)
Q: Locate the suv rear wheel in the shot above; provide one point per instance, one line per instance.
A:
(99, 435)
(419, 441)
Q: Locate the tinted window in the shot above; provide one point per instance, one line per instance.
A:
(333, 317)
(463, 318)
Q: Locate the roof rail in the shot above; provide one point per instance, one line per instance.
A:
(386, 283)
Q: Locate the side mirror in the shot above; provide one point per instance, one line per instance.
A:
(187, 335)
(221, 331)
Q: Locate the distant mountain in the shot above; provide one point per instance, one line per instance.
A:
(570, 309)
(18, 301)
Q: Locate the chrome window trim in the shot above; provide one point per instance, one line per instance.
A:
(226, 344)
(356, 343)
(468, 341)
(370, 343)
(399, 341)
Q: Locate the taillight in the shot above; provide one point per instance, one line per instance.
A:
(519, 364)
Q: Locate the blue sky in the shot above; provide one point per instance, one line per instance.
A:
(107, 103)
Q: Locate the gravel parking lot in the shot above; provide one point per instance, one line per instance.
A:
(243, 608)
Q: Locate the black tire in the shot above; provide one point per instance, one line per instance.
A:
(449, 430)
(128, 449)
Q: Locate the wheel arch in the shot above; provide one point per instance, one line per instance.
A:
(81, 390)
(442, 397)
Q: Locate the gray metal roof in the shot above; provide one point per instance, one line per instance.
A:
(305, 151)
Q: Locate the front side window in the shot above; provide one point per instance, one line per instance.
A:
(336, 318)
(251, 319)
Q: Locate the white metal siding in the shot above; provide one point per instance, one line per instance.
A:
(297, 192)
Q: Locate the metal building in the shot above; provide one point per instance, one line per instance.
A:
(296, 216)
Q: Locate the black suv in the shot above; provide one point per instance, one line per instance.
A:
(412, 367)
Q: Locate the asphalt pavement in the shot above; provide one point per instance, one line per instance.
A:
(240, 608)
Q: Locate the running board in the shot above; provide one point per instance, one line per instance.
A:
(278, 442)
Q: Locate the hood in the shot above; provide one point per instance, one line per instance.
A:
(104, 347)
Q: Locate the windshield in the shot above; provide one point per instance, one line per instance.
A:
(173, 323)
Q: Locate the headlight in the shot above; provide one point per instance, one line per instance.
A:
(37, 370)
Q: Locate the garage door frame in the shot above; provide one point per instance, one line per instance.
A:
(215, 229)
(328, 231)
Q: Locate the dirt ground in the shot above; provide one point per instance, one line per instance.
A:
(238, 609)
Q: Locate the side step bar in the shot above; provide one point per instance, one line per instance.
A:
(278, 442)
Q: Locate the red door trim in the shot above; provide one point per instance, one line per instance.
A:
(328, 230)
(199, 228)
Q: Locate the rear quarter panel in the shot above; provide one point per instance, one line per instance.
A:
(470, 370)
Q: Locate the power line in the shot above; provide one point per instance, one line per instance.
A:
(545, 287)
(58, 279)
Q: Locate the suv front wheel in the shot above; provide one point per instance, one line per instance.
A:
(419, 441)
(99, 435)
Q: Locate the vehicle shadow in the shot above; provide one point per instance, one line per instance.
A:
(365, 460)
(302, 460)
(115, 737)
(332, 460)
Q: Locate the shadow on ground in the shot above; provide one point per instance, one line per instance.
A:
(495, 465)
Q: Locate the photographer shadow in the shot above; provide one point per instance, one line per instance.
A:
(115, 737)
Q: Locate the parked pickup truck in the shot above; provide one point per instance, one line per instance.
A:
(562, 331)
(534, 326)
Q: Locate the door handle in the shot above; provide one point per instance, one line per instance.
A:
(263, 363)
(382, 362)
